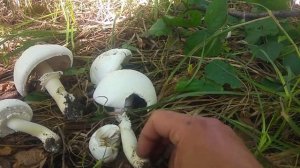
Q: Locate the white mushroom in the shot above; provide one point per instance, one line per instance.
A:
(15, 116)
(107, 62)
(47, 63)
(104, 143)
(119, 89)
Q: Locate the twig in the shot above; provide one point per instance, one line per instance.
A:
(251, 16)
(5, 76)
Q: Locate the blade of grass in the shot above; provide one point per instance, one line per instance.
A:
(280, 76)
(264, 140)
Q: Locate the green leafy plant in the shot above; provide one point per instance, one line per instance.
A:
(258, 56)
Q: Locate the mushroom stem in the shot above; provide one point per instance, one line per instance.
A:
(50, 81)
(129, 142)
(50, 140)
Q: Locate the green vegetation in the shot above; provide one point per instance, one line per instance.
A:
(201, 59)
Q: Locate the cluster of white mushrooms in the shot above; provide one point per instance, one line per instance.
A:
(115, 87)
(106, 71)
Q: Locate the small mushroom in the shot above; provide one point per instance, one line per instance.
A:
(123, 89)
(15, 116)
(104, 143)
(107, 62)
(46, 62)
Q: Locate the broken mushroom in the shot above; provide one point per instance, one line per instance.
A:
(107, 62)
(104, 143)
(15, 116)
(46, 62)
(122, 89)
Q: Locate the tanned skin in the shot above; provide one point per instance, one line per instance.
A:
(198, 142)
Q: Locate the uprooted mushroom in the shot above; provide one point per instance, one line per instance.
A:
(15, 116)
(46, 63)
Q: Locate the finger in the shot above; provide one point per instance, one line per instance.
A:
(161, 124)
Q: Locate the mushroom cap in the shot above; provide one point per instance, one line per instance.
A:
(115, 88)
(104, 143)
(57, 56)
(13, 108)
(107, 62)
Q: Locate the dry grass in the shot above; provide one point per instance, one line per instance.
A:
(100, 25)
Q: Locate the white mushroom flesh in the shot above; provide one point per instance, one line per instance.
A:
(107, 62)
(15, 116)
(104, 143)
(50, 139)
(47, 61)
(115, 88)
(50, 81)
(129, 142)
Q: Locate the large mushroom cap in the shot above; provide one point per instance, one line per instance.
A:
(107, 62)
(58, 57)
(13, 108)
(115, 88)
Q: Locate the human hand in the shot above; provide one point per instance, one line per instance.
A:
(199, 142)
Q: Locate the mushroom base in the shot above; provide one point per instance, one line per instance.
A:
(52, 145)
(73, 108)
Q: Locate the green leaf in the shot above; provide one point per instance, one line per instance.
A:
(272, 85)
(74, 71)
(191, 18)
(292, 61)
(196, 85)
(211, 49)
(260, 29)
(272, 49)
(216, 15)
(160, 28)
(292, 29)
(273, 4)
(222, 73)
(36, 96)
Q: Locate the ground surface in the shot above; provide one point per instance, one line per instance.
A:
(265, 115)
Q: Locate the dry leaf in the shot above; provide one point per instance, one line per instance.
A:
(32, 158)
(7, 86)
(5, 151)
(8, 90)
